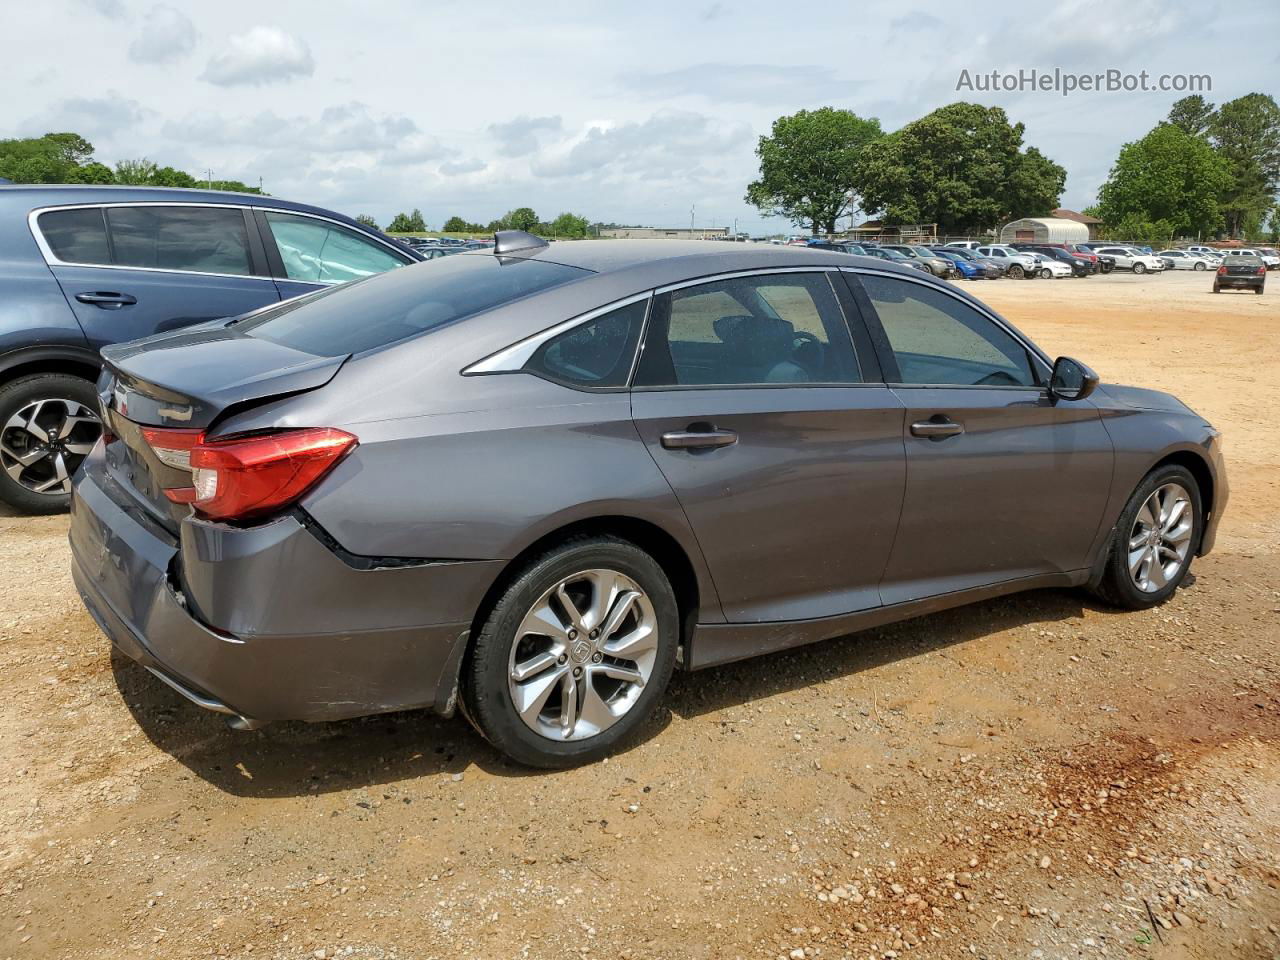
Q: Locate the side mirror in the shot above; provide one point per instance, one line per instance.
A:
(1071, 380)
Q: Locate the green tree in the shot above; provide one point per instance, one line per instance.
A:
(92, 172)
(1193, 115)
(521, 218)
(408, 223)
(568, 225)
(962, 167)
(53, 158)
(367, 220)
(135, 172)
(808, 166)
(1274, 236)
(1169, 176)
(456, 224)
(169, 177)
(1246, 131)
(1134, 227)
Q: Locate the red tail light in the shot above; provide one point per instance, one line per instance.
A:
(1222, 270)
(247, 476)
(1262, 271)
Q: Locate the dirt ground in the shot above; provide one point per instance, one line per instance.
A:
(1033, 777)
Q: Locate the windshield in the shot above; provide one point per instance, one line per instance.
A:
(392, 306)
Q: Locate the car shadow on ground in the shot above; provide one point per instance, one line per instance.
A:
(400, 752)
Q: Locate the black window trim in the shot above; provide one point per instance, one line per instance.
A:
(260, 253)
(870, 371)
(275, 263)
(1041, 365)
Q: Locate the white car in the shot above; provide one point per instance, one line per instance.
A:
(966, 244)
(1129, 258)
(1213, 253)
(1269, 260)
(1017, 263)
(1186, 260)
(1052, 269)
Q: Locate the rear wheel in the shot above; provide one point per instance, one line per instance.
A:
(1154, 542)
(48, 424)
(574, 655)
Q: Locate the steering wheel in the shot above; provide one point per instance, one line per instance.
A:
(999, 378)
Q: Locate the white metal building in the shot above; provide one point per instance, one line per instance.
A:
(1044, 230)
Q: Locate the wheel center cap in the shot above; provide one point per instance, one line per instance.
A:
(580, 651)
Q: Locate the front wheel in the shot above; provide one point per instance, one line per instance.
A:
(1199, 265)
(48, 424)
(1139, 268)
(1016, 272)
(574, 655)
(1155, 540)
(1046, 273)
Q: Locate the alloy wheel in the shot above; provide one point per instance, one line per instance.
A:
(45, 441)
(582, 655)
(1160, 538)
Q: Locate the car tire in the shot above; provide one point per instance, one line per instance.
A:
(1259, 290)
(1015, 271)
(1122, 583)
(67, 397)
(1046, 273)
(1199, 265)
(1216, 288)
(504, 645)
(1139, 268)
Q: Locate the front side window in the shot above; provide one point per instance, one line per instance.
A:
(195, 239)
(937, 339)
(317, 251)
(596, 353)
(768, 329)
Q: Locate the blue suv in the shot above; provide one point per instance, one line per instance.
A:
(83, 266)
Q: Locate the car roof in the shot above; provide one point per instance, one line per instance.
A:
(681, 259)
(32, 195)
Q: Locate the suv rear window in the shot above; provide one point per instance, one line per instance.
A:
(379, 310)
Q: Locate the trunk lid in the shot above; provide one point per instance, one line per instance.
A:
(1242, 269)
(186, 381)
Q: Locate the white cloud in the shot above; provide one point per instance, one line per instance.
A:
(166, 35)
(754, 83)
(89, 116)
(344, 128)
(111, 9)
(455, 168)
(260, 56)
(522, 135)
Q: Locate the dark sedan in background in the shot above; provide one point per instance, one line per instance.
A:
(532, 481)
(82, 267)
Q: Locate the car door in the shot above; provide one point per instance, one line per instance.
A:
(132, 270)
(307, 252)
(778, 437)
(1002, 482)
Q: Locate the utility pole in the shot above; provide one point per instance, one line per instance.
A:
(691, 211)
(208, 173)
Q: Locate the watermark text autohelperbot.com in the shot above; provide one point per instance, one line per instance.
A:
(1066, 83)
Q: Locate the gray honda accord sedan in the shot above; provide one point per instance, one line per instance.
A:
(531, 481)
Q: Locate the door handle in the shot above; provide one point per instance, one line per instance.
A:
(698, 439)
(937, 428)
(106, 300)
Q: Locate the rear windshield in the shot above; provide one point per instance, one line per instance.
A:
(392, 306)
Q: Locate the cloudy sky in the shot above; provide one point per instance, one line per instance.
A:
(632, 113)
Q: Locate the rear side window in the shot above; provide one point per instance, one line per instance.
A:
(767, 329)
(597, 353)
(393, 306)
(321, 252)
(76, 236)
(193, 239)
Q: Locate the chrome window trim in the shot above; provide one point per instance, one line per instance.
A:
(512, 358)
(51, 259)
(1032, 350)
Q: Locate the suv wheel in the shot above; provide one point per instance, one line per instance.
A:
(48, 424)
(1155, 540)
(1016, 271)
(1139, 268)
(574, 655)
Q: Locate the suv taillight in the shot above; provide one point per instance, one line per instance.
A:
(250, 475)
